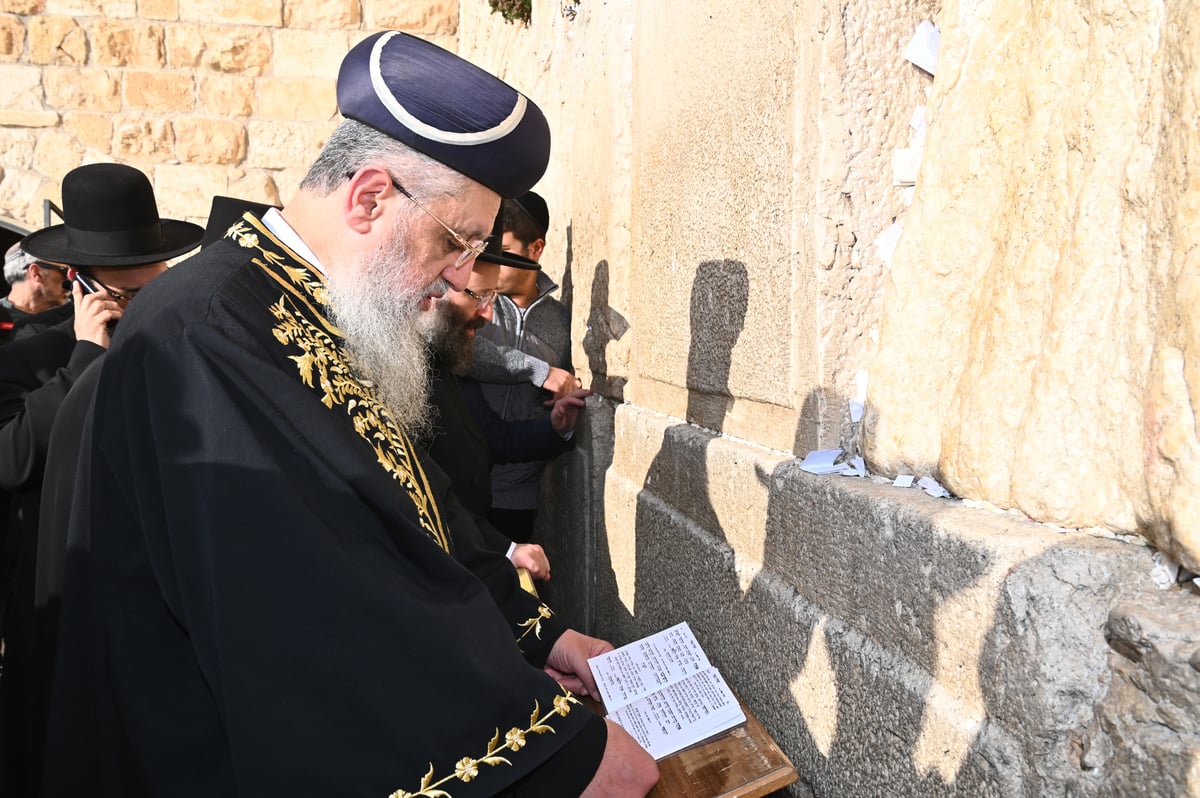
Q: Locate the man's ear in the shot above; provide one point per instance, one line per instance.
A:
(367, 192)
(536, 248)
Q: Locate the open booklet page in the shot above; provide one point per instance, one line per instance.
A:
(663, 691)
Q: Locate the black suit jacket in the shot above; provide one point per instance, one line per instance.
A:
(469, 438)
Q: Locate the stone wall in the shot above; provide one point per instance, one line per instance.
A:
(721, 195)
(208, 97)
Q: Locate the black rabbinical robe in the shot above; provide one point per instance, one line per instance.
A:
(269, 591)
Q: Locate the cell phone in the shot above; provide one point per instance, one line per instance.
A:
(84, 283)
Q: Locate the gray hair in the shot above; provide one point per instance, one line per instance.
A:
(353, 145)
(16, 264)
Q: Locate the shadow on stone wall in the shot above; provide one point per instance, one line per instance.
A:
(719, 298)
(604, 325)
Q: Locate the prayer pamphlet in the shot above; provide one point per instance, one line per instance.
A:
(663, 691)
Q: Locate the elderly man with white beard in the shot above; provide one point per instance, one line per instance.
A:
(269, 589)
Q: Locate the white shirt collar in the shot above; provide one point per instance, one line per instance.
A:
(273, 220)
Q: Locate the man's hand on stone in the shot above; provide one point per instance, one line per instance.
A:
(564, 410)
(561, 382)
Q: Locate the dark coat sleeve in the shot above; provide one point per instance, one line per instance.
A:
(35, 375)
(512, 441)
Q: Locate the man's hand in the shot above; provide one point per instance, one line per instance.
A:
(568, 664)
(532, 558)
(93, 312)
(561, 382)
(626, 770)
(564, 411)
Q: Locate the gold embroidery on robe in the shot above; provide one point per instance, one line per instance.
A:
(324, 366)
(467, 768)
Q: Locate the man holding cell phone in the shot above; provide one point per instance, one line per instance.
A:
(112, 243)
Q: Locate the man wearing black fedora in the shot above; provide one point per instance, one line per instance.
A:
(270, 590)
(113, 241)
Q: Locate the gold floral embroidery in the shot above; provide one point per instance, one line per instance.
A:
(467, 768)
(324, 365)
(534, 624)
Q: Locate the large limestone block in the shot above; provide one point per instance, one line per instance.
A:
(92, 130)
(267, 13)
(57, 40)
(241, 51)
(1029, 293)
(432, 17)
(321, 14)
(12, 38)
(96, 90)
(139, 139)
(128, 44)
(212, 141)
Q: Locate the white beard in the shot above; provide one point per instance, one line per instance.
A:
(376, 303)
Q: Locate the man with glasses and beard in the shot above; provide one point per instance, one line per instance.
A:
(467, 436)
(269, 589)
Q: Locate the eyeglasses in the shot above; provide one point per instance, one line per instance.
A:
(114, 294)
(470, 251)
(481, 300)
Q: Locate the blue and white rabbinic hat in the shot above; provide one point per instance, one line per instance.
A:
(446, 108)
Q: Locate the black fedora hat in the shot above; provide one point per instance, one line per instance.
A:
(110, 220)
(494, 253)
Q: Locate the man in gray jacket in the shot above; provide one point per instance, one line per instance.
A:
(523, 356)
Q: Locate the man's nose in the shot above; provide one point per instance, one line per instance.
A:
(458, 276)
(486, 312)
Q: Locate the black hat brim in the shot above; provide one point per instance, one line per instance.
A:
(510, 259)
(51, 244)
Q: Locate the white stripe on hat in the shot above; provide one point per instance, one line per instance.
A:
(398, 111)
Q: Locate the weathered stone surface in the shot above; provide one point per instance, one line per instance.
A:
(267, 13)
(160, 92)
(145, 140)
(311, 99)
(20, 87)
(1015, 355)
(303, 53)
(17, 145)
(57, 152)
(279, 145)
(127, 44)
(113, 9)
(928, 647)
(158, 9)
(12, 38)
(1147, 731)
(227, 95)
(19, 191)
(323, 14)
(22, 6)
(186, 191)
(92, 130)
(28, 118)
(256, 186)
(436, 16)
(209, 141)
(82, 89)
(243, 51)
(57, 40)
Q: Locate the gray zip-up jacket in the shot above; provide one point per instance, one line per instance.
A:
(513, 356)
